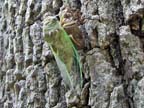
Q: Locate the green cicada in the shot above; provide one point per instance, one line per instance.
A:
(63, 50)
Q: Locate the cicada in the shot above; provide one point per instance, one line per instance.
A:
(63, 49)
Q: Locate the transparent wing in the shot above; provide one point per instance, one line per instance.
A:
(76, 59)
(63, 69)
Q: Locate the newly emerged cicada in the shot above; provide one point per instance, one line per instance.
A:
(57, 35)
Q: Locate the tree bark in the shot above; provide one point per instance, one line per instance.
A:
(112, 56)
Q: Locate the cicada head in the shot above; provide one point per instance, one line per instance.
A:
(51, 26)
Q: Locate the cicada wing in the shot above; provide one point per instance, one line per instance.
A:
(78, 67)
(63, 70)
(76, 61)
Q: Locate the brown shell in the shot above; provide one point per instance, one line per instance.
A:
(76, 35)
(71, 22)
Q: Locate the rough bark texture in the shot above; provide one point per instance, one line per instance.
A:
(113, 60)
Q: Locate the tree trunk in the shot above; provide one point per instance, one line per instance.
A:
(112, 56)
